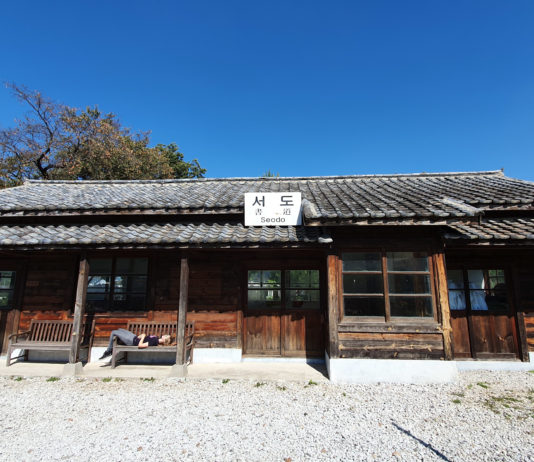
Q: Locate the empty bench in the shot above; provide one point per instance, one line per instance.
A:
(48, 335)
(159, 329)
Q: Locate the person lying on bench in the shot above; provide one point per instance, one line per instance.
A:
(130, 339)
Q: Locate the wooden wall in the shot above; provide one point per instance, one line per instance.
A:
(214, 297)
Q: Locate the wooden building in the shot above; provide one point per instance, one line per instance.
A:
(410, 268)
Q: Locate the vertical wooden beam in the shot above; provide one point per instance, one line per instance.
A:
(333, 304)
(519, 316)
(182, 311)
(79, 309)
(443, 297)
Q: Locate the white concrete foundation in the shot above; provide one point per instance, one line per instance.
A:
(216, 355)
(71, 370)
(342, 370)
(497, 365)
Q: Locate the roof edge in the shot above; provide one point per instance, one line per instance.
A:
(289, 178)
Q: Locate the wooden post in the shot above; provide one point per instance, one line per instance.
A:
(79, 309)
(333, 305)
(443, 297)
(182, 312)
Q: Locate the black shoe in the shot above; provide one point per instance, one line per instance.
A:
(105, 355)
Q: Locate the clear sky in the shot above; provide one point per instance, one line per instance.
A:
(297, 87)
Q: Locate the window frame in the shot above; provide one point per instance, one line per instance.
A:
(284, 267)
(387, 319)
(11, 290)
(111, 293)
(466, 290)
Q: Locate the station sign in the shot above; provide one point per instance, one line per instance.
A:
(273, 209)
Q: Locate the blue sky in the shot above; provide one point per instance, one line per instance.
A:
(297, 87)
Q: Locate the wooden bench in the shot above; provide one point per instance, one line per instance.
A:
(159, 329)
(48, 335)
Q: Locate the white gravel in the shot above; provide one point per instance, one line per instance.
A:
(168, 419)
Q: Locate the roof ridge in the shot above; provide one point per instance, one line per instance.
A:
(287, 178)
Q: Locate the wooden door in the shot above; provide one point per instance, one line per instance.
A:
(302, 333)
(482, 316)
(283, 316)
(262, 333)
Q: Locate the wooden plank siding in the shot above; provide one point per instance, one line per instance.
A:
(390, 346)
(214, 297)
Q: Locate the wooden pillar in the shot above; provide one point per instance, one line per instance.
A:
(333, 304)
(519, 317)
(79, 309)
(443, 297)
(182, 312)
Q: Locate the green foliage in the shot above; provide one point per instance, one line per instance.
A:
(106, 379)
(55, 141)
(456, 401)
(269, 174)
(225, 381)
(483, 385)
(17, 379)
(259, 384)
(52, 379)
(146, 379)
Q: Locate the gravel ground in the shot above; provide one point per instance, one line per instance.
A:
(485, 416)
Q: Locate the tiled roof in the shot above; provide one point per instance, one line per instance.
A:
(159, 235)
(494, 229)
(356, 198)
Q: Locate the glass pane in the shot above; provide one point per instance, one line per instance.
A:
(478, 300)
(302, 278)
(271, 278)
(254, 278)
(264, 298)
(407, 261)
(305, 299)
(6, 299)
(409, 283)
(129, 302)
(97, 302)
(130, 284)
(100, 265)
(455, 279)
(497, 300)
(496, 279)
(362, 261)
(476, 279)
(420, 307)
(7, 279)
(98, 284)
(364, 306)
(131, 266)
(363, 284)
(457, 299)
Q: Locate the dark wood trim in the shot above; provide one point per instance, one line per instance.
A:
(333, 304)
(522, 339)
(182, 311)
(79, 309)
(443, 303)
(393, 327)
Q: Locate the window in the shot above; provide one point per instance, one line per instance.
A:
(292, 289)
(7, 289)
(485, 290)
(117, 284)
(385, 285)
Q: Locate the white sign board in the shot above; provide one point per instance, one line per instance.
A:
(273, 209)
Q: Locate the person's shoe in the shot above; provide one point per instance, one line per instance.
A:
(105, 355)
